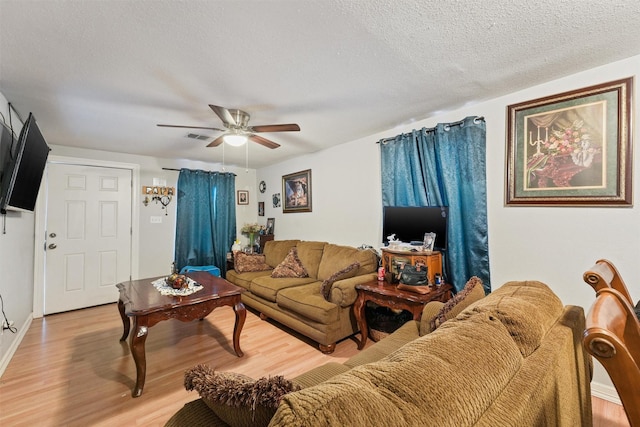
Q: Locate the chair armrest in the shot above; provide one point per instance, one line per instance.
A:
(605, 275)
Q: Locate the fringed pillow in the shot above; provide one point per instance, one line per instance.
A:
(291, 266)
(348, 271)
(471, 292)
(249, 262)
(237, 399)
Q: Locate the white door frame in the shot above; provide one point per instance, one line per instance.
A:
(41, 223)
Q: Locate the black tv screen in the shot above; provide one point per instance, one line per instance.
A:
(409, 224)
(23, 169)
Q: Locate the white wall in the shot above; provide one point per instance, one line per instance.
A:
(551, 244)
(16, 264)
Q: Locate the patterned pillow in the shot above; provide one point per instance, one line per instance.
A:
(338, 275)
(236, 399)
(459, 302)
(291, 266)
(249, 262)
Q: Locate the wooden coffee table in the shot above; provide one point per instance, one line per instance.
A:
(388, 295)
(140, 300)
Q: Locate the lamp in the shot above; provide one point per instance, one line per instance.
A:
(235, 139)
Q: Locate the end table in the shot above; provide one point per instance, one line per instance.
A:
(388, 295)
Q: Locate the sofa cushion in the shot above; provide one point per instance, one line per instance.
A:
(235, 398)
(310, 254)
(386, 392)
(245, 279)
(195, 414)
(291, 266)
(528, 309)
(243, 263)
(336, 257)
(308, 302)
(471, 293)
(348, 271)
(276, 250)
(267, 287)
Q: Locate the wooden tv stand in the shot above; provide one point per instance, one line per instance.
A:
(390, 258)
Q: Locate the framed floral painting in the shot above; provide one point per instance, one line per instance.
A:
(573, 148)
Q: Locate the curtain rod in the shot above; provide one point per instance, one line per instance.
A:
(459, 122)
(178, 170)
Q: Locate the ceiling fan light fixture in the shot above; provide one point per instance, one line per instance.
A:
(235, 140)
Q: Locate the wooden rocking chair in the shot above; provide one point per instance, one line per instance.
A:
(612, 335)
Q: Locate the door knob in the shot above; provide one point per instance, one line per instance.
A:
(52, 246)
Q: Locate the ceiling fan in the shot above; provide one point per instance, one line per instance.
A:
(238, 131)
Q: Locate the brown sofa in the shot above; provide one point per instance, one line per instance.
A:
(298, 302)
(513, 358)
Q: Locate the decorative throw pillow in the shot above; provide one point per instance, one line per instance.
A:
(291, 266)
(472, 291)
(237, 399)
(249, 262)
(338, 275)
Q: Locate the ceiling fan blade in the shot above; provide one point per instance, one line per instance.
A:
(189, 127)
(263, 141)
(219, 140)
(292, 127)
(224, 114)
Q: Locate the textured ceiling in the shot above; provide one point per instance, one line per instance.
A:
(102, 74)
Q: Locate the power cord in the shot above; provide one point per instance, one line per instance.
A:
(13, 329)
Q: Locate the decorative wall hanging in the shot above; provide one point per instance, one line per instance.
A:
(276, 200)
(260, 208)
(573, 148)
(243, 197)
(296, 188)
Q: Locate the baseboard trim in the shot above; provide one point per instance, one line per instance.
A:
(22, 331)
(605, 392)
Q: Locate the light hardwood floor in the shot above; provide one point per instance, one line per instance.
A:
(72, 370)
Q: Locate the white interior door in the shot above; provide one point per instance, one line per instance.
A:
(88, 235)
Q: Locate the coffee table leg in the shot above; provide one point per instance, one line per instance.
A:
(241, 315)
(137, 341)
(126, 323)
(358, 309)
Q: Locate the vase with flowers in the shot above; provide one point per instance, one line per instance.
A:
(251, 230)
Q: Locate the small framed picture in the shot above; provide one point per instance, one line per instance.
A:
(270, 225)
(260, 208)
(243, 197)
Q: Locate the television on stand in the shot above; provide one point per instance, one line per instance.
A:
(409, 224)
(23, 169)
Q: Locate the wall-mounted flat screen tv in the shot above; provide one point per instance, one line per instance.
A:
(409, 224)
(23, 169)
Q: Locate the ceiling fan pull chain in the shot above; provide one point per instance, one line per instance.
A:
(223, 168)
(246, 158)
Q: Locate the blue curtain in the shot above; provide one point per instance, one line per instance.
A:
(206, 218)
(445, 166)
